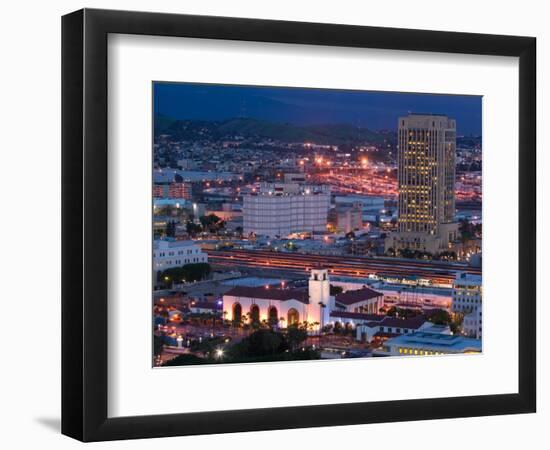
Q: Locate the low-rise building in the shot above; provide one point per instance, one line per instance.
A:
(364, 300)
(388, 327)
(428, 343)
(346, 217)
(467, 292)
(170, 253)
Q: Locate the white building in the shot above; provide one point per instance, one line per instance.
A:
(281, 307)
(280, 209)
(168, 254)
(388, 327)
(467, 293)
(471, 324)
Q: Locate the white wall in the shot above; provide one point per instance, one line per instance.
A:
(30, 124)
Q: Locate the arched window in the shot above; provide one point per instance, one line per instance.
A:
(254, 314)
(273, 316)
(293, 318)
(237, 312)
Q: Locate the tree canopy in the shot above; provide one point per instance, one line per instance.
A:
(187, 273)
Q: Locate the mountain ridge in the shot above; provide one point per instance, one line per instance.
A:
(335, 134)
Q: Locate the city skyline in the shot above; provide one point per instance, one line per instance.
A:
(285, 242)
(374, 110)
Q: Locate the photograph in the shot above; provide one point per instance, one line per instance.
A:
(294, 224)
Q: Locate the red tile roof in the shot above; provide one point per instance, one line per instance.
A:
(360, 295)
(269, 294)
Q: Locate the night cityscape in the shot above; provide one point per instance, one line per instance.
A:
(302, 224)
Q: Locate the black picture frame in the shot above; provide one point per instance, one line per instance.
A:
(84, 224)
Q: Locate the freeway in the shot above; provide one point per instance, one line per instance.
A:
(435, 273)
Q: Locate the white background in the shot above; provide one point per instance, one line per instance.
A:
(30, 186)
(135, 389)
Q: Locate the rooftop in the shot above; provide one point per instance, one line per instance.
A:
(437, 341)
(158, 243)
(266, 293)
(359, 295)
(253, 282)
(468, 278)
(412, 323)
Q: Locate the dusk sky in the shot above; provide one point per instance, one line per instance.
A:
(374, 110)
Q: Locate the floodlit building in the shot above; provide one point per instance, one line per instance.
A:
(283, 307)
(426, 180)
(170, 253)
(280, 209)
(278, 306)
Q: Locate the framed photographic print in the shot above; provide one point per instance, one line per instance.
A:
(273, 224)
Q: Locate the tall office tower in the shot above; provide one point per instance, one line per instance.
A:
(426, 183)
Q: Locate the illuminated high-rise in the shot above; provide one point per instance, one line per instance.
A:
(426, 179)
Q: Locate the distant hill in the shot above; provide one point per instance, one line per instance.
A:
(252, 128)
(162, 123)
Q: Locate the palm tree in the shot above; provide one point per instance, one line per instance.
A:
(323, 306)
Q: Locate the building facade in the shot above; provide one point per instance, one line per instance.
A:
(383, 328)
(426, 184)
(472, 324)
(348, 217)
(278, 210)
(467, 302)
(281, 307)
(169, 253)
(179, 190)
